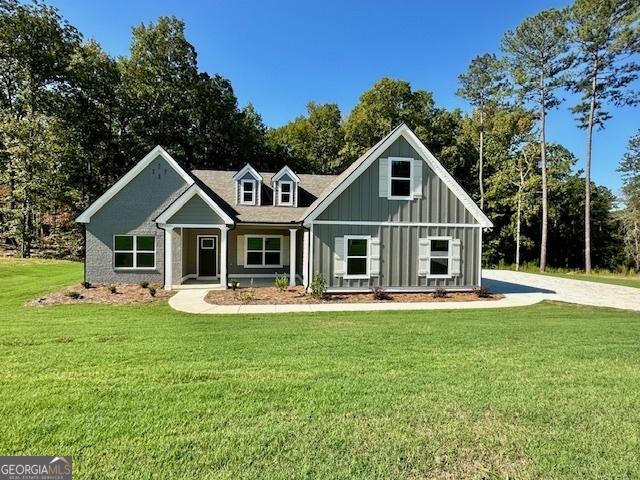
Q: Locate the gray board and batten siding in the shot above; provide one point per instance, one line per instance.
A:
(399, 252)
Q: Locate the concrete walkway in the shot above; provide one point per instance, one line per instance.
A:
(519, 289)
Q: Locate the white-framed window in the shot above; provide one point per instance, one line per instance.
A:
(248, 192)
(440, 257)
(357, 256)
(400, 178)
(134, 252)
(285, 193)
(263, 251)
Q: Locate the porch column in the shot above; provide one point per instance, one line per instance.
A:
(223, 256)
(292, 256)
(305, 258)
(168, 257)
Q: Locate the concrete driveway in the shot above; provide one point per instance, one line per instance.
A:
(562, 289)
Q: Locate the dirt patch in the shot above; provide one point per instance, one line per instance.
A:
(125, 294)
(296, 295)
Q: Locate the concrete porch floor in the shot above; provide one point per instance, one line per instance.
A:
(193, 284)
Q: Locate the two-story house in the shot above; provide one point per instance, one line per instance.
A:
(395, 218)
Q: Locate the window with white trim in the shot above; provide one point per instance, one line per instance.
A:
(440, 259)
(357, 256)
(134, 251)
(248, 192)
(400, 181)
(285, 193)
(263, 251)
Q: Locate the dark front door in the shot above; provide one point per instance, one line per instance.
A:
(207, 256)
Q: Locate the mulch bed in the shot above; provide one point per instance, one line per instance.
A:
(296, 295)
(126, 294)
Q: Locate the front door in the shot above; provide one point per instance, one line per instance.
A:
(207, 258)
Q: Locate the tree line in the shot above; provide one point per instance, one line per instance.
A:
(73, 120)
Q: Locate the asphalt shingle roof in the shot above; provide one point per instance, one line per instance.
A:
(223, 188)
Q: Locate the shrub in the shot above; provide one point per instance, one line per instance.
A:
(482, 292)
(439, 293)
(152, 291)
(144, 284)
(380, 293)
(74, 295)
(235, 283)
(318, 286)
(113, 289)
(86, 284)
(244, 296)
(281, 282)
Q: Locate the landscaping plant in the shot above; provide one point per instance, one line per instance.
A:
(281, 282)
(318, 286)
(113, 289)
(144, 284)
(74, 295)
(380, 293)
(152, 291)
(439, 293)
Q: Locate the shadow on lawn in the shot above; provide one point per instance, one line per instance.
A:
(498, 286)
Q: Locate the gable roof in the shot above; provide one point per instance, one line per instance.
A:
(250, 169)
(220, 185)
(85, 216)
(361, 164)
(285, 171)
(187, 195)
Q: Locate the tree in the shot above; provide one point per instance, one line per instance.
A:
(36, 46)
(630, 216)
(538, 53)
(313, 141)
(159, 80)
(382, 108)
(605, 34)
(482, 85)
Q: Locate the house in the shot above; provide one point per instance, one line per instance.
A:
(395, 218)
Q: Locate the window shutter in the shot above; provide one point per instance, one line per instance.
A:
(285, 251)
(240, 250)
(424, 252)
(383, 189)
(338, 257)
(417, 177)
(374, 269)
(456, 248)
(275, 193)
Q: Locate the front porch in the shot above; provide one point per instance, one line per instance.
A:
(212, 256)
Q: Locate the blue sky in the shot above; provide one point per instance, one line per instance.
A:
(279, 55)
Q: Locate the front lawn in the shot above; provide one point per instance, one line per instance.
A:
(142, 391)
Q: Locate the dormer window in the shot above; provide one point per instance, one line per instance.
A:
(248, 186)
(286, 193)
(285, 188)
(248, 192)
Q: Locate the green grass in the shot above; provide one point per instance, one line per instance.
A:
(549, 391)
(598, 276)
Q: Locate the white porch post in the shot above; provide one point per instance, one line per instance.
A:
(292, 256)
(223, 256)
(305, 258)
(168, 257)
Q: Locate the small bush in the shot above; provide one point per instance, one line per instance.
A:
(380, 293)
(482, 292)
(439, 293)
(281, 282)
(235, 283)
(152, 291)
(74, 295)
(86, 284)
(144, 284)
(113, 289)
(244, 296)
(318, 286)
